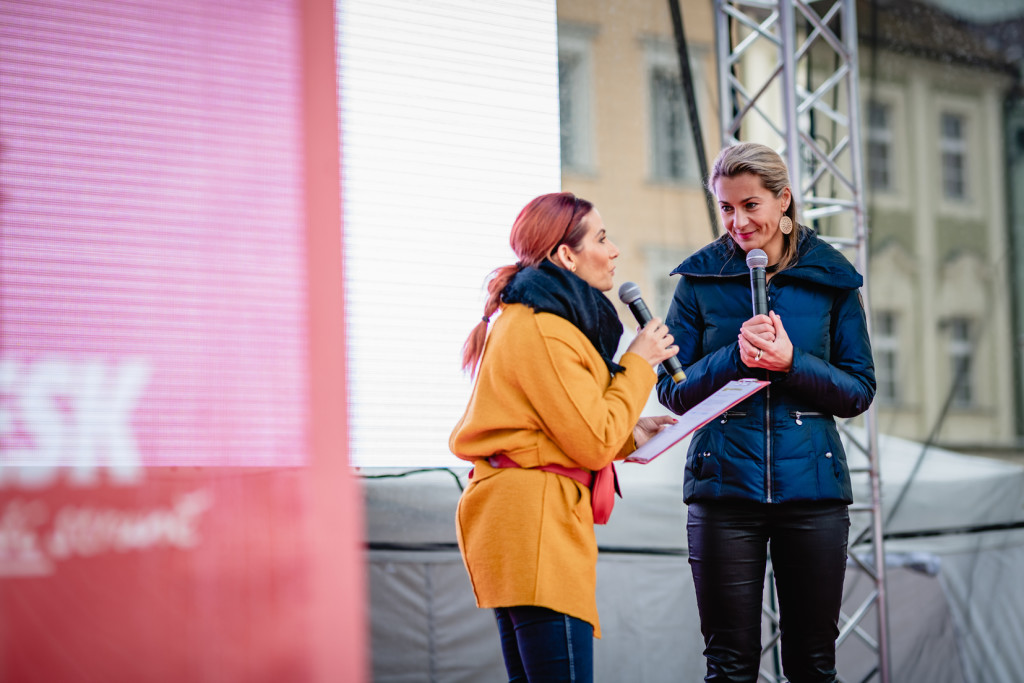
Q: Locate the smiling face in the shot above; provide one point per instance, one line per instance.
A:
(751, 213)
(594, 260)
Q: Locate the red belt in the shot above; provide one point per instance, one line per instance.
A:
(585, 477)
(603, 484)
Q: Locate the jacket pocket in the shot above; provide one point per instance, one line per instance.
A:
(703, 477)
(833, 473)
(728, 415)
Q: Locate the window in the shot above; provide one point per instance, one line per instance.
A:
(885, 342)
(672, 155)
(953, 147)
(880, 147)
(662, 260)
(960, 354)
(574, 99)
(669, 126)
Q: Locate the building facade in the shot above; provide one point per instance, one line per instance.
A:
(936, 178)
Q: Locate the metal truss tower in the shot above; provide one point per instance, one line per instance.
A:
(788, 77)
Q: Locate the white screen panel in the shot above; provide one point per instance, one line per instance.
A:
(449, 115)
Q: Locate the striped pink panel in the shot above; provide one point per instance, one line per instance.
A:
(152, 266)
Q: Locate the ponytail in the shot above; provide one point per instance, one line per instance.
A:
(546, 222)
(474, 346)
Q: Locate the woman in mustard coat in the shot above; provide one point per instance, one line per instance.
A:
(550, 407)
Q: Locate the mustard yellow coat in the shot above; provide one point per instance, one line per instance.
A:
(543, 395)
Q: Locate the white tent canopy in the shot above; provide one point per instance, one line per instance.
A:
(955, 556)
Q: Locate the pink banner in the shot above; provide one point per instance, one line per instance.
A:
(152, 234)
(159, 581)
(163, 483)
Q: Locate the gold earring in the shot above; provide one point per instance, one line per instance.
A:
(786, 225)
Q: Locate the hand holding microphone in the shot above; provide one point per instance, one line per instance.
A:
(763, 345)
(757, 261)
(629, 294)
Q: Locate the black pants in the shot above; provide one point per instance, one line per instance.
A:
(729, 544)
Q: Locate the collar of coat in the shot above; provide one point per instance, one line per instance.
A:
(817, 261)
(546, 288)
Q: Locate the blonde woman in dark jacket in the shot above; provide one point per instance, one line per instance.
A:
(770, 475)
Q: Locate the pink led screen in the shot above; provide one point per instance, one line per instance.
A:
(152, 280)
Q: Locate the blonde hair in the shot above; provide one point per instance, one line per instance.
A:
(766, 164)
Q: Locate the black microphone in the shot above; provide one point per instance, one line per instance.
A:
(757, 261)
(629, 294)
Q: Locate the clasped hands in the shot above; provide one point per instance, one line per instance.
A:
(764, 343)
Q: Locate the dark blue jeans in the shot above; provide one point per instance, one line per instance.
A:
(729, 544)
(544, 646)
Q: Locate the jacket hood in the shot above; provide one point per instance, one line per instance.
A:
(817, 261)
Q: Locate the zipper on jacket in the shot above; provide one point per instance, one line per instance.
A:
(798, 414)
(768, 417)
(768, 441)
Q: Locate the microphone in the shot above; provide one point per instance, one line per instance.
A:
(757, 261)
(629, 294)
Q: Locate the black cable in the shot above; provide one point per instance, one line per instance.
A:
(398, 475)
(954, 531)
(684, 552)
(958, 380)
(411, 547)
(686, 76)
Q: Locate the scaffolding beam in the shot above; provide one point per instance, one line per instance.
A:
(788, 78)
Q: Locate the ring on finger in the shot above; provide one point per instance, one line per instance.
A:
(758, 356)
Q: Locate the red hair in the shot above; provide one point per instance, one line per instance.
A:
(542, 226)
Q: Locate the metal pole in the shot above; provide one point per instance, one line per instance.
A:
(787, 50)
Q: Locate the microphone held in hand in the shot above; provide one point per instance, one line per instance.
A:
(629, 294)
(757, 261)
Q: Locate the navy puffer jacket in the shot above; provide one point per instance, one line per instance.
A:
(781, 444)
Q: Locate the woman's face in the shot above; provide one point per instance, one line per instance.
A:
(751, 213)
(594, 261)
